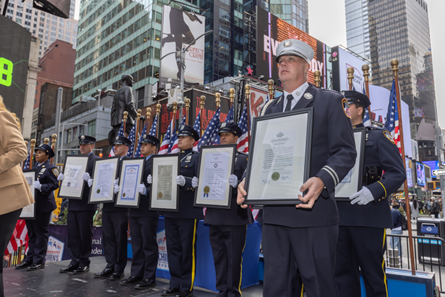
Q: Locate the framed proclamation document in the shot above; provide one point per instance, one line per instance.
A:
(28, 212)
(72, 185)
(164, 190)
(353, 181)
(216, 164)
(131, 176)
(279, 157)
(104, 174)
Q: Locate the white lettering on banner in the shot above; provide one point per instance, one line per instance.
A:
(97, 241)
(96, 251)
(162, 251)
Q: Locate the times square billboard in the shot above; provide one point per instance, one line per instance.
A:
(272, 30)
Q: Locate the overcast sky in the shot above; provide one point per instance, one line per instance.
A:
(327, 23)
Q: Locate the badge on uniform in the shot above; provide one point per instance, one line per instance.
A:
(389, 136)
(308, 96)
(345, 106)
(42, 171)
(55, 172)
(188, 159)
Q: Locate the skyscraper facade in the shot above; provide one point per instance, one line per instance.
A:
(398, 29)
(295, 12)
(43, 25)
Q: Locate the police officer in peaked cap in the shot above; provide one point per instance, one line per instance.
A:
(303, 237)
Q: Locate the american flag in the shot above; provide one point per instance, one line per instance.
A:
(243, 141)
(132, 138)
(119, 133)
(366, 118)
(173, 149)
(19, 237)
(154, 127)
(229, 119)
(211, 132)
(392, 117)
(26, 165)
(166, 142)
(138, 149)
(197, 127)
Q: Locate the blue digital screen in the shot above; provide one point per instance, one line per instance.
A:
(434, 165)
(420, 169)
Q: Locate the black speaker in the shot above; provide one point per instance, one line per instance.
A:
(60, 8)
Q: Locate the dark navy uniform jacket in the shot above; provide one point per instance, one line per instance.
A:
(235, 215)
(144, 200)
(82, 205)
(333, 155)
(110, 206)
(47, 174)
(381, 152)
(189, 168)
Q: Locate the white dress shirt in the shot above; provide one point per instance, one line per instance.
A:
(296, 94)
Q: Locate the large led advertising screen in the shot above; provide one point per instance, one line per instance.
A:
(271, 30)
(420, 170)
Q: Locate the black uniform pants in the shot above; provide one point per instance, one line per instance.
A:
(7, 225)
(181, 252)
(114, 234)
(143, 232)
(313, 252)
(361, 247)
(228, 244)
(80, 236)
(38, 237)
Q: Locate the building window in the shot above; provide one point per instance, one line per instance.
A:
(92, 128)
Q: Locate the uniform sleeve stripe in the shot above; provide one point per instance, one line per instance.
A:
(334, 173)
(383, 188)
(335, 182)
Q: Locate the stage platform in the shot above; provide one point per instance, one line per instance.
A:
(49, 282)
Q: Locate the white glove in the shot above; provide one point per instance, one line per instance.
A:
(142, 189)
(90, 182)
(149, 179)
(37, 185)
(86, 176)
(233, 181)
(195, 182)
(362, 197)
(116, 182)
(116, 189)
(60, 177)
(180, 180)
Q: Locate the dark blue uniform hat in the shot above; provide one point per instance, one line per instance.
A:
(357, 97)
(85, 139)
(122, 140)
(46, 148)
(186, 130)
(149, 139)
(230, 128)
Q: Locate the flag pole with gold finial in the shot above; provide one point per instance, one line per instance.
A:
(136, 134)
(53, 144)
(270, 84)
(365, 69)
(31, 153)
(350, 77)
(317, 79)
(158, 112)
(175, 108)
(201, 103)
(148, 118)
(125, 122)
(232, 96)
(247, 87)
(187, 108)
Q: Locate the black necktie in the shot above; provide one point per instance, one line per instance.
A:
(289, 102)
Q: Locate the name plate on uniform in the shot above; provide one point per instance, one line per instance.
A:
(216, 164)
(279, 157)
(353, 181)
(28, 212)
(164, 189)
(104, 174)
(131, 176)
(72, 185)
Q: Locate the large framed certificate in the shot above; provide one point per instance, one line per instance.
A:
(164, 190)
(29, 211)
(280, 156)
(104, 174)
(73, 183)
(353, 181)
(216, 164)
(131, 176)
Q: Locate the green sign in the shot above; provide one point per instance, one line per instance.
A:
(6, 68)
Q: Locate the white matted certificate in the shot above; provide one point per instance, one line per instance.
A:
(131, 176)
(164, 190)
(72, 185)
(279, 161)
(28, 212)
(104, 174)
(216, 164)
(353, 181)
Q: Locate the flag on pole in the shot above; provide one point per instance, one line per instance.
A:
(174, 147)
(243, 140)
(154, 127)
(392, 117)
(229, 119)
(366, 118)
(18, 238)
(132, 138)
(119, 133)
(166, 142)
(197, 127)
(26, 165)
(138, 149)
(211, 132)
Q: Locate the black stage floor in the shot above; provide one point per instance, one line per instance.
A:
(49, 282)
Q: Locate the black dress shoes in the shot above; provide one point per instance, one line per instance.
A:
(103, 273)
(82, 269)
(185, 294)
(69, 268)
(23, 265)
(116, 276)
(131, 280)
(170, 292)
(147, 283)
(34, 267)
